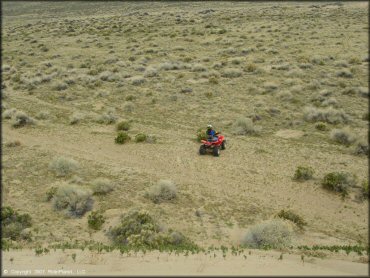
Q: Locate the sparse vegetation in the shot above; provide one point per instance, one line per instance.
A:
(231, 73)
(51, 192)
(270, 234)
(43, 115)
(339, 182)
(107, 118)
(164, 190)
(343, 136)
(321, 126)
(20, 119)
(13, 224)
(329, 115)
(245, 126)
(75, 118)
(123, 125)
(88, 71)
(122, 137)
(102, 186)
(95, 220)
(150, 138)
(141, 137)
(201, 134)
(365, 189)
(293, 217)
(73, 200)
(303, 173)
(360, 147)
(139, 228)
(12, 144)
(63, 166)
(9, 113)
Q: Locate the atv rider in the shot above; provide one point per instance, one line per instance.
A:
(211, 134)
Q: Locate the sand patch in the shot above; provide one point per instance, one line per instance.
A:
(88, 263)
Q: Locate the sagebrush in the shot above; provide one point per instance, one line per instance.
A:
(73, 200)
(63, 166)
(164, 190)
(270, 234)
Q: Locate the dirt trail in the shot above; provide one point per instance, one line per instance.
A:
(158, 159)
(155, 263)
(241, 175)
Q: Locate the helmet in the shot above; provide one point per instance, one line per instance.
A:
(209, 126)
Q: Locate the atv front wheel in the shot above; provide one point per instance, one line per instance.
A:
(223, 145)
(216, 151)
(202, 150)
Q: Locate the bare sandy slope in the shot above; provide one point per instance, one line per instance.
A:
(256, 263)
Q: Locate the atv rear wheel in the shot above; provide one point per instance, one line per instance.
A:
(216, 151)
(223, 145)
(202, 150)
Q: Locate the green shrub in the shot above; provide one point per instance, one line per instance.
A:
(321, 126)
(95, 220)
(251, 67)
(130, 98)
(164, 190)
(63, 166)
(139, 229)
(293, 217)
(73, 200)
(50, 193)
(303, 173)
(123, 125)
(213, 80)
(141, 137)
(14, 223)
(201, 135)
(102, 186)
(338, 182)
(122, 137)
(270, 234)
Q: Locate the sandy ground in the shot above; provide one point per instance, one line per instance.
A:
(252, 179)
(90, 263)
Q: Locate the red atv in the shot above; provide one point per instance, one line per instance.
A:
(214, 146)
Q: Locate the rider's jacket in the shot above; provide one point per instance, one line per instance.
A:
(210, 133)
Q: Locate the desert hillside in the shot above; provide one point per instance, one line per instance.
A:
(103, 106)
